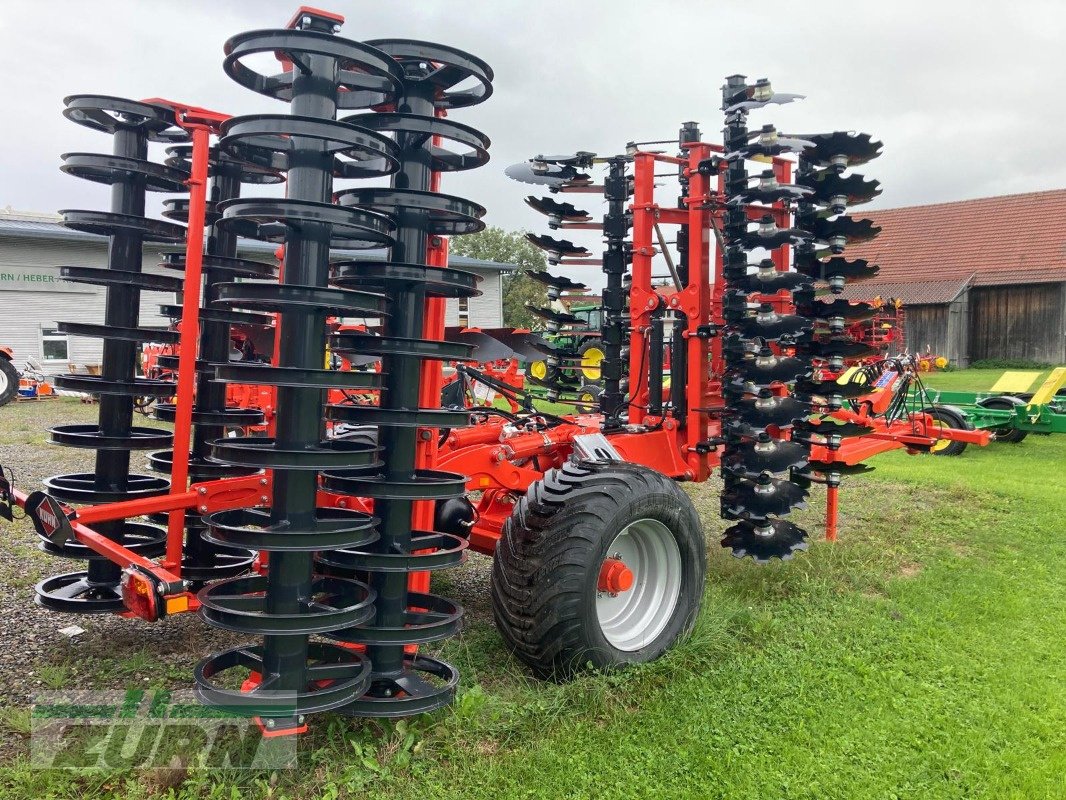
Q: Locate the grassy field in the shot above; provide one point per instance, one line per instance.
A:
(975, 380)
(921, 656)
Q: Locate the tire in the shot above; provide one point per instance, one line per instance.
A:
(950, 417)
(9, 382)
(592, 352)
(1004, 434)
(547, 569)
(589, 395)
(539, 370)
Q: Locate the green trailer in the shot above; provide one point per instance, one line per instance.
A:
(1008, 410)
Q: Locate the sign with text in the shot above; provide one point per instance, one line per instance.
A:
(38, 279)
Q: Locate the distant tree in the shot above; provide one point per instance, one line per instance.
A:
(509, 247)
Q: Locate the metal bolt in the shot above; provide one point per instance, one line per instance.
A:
(262, 481)
(425, 435)
(271, 724)
(262, 498)
(203, 509)
(300, 719)
(201, 490)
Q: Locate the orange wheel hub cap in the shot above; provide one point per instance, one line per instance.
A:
(615, 577)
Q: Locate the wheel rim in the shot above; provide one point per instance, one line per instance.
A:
(538, 369)
(630, 620)
(590, 363)
(3, 383)
(934, 430)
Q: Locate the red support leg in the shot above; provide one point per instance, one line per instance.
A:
(831, 513)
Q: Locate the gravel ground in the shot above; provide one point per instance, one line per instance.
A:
(113, 652)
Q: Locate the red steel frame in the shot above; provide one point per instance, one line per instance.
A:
(501, 464)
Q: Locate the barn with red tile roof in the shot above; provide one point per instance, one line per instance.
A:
(979, 279)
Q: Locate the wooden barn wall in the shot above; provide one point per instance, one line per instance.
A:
(1025, 322)
(926, 329)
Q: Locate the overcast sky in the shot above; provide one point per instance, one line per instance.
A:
(966, 95)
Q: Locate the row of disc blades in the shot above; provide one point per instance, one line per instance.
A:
(559, 377)
(784, 340)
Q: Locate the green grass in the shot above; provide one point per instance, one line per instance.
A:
(975, 380)
(921, 656)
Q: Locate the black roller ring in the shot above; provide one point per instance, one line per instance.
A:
(270, 219)
(385, 276)
(252, 528)
(242, 417)
(394, 696)
(112, 114)
(180, 156)
(452, 68)
(253, 374)
(148, 541)
(221, 315)
(289, 297)
(239, 604)
(335, 675)
(102, 276)
(398, 417)
(73, 594)
(428, 618)
(446, 214)
(78, 487)
(423, 484)
(171, 363)
(262, 452)
(200, 469)
(366, 76)
(96, 384)
(266, 140)
(224, 564)
(108, 223)
(240, 267)
(117, 333)
(443, 160)
(362, 343)
(441, 551)
(177, 209)
(88, 435)
(109, 169)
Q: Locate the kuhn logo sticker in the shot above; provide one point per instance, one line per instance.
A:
(48, 518)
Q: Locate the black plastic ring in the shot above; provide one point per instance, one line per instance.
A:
(334, 528)
(109, 169)
(107, 223)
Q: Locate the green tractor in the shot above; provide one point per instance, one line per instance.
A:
(579, 345)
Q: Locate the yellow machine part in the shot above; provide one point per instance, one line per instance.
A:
(590, 363)
(1015, 381)
(1049, 387)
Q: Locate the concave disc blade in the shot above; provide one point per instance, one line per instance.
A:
(775, 539)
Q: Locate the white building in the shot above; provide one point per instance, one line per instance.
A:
(33, 298)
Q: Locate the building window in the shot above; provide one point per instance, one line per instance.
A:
(53, 344)
(464, 312)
